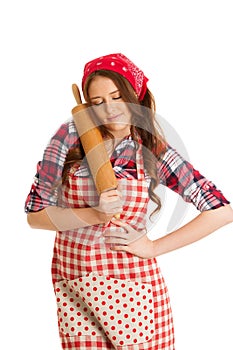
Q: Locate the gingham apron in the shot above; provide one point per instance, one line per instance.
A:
(107, 299)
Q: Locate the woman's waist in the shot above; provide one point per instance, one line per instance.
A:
(99, 258)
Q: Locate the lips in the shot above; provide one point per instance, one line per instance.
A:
(114, 117)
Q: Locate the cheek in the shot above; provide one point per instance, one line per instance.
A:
(99, 114)
(128, 114)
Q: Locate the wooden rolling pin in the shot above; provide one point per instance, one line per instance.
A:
(93, 145)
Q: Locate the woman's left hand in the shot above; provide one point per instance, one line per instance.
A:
(126, 238)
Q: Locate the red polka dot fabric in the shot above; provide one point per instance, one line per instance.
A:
(123, 309)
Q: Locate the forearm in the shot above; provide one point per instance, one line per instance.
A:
(61, 219)
(200, 227)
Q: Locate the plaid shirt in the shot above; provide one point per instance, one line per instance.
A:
(173, 171)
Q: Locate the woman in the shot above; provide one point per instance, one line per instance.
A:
(109, 289)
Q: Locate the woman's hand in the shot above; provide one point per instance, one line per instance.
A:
(110, 204)
(125, 238)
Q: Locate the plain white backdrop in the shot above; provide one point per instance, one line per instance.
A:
(185, 49)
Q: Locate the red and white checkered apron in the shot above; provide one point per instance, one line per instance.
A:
(107, 299)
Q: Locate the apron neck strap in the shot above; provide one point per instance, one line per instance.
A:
(140, 162)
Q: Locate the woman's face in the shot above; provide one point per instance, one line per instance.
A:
(111, 110)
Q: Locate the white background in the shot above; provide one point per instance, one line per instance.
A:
(185, 48)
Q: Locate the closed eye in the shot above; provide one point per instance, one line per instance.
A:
(101, 102)
(98, 104)
(116, 98)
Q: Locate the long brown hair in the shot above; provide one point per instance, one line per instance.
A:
(144, 126)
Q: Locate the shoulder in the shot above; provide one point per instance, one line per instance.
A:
(66, 129)
(66, 134)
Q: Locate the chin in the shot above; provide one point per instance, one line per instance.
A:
(119, 130)
(117, 126)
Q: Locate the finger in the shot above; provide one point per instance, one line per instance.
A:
(119, 193)
(109, 209)
(123, 224)
(114, 208)
(111, 193)
(120, 187)
(120, 248)
(116, 241)
(111, 200)
(115, 234)
(118, 222)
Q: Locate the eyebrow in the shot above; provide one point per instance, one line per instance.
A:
(95, 97)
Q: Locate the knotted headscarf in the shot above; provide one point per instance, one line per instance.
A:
(122, 65)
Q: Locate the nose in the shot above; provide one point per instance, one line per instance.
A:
(109, 107)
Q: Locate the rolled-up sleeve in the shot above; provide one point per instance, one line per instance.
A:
(44, 189)
(180, 176)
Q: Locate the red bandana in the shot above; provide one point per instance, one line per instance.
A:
(122, 65)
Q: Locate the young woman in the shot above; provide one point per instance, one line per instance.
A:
(109, 288)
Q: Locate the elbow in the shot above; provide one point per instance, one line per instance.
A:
(221, 216)
(39, 220)
(231, 216)
(228, 214)
(30, 220)
(33, 220)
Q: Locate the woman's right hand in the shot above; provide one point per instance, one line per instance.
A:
(110, 204)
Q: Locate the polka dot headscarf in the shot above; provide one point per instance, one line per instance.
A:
(123, 66)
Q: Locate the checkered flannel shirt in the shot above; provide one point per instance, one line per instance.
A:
(173, 171)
